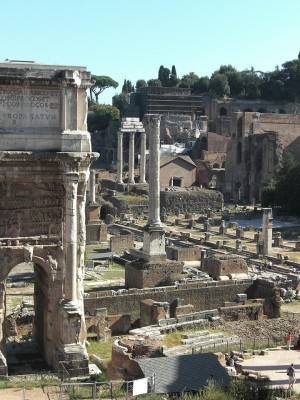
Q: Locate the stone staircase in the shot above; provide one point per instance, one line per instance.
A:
(200, 340)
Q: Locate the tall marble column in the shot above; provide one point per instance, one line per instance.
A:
(154, 172)
(131, 158)
(154, 233)
(71, 186)
(92, 196)
(143, 158)
(120, 158)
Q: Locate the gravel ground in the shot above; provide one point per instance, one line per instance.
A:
(273, 329)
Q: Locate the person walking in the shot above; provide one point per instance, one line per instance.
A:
(288, 340)
(291, 374)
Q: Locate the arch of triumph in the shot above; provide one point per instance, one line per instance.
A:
(45, 154)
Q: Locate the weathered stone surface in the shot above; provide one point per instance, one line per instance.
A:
(44, 165)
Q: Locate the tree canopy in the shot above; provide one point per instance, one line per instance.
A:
(99, 116)
(282, 84)
(100, 84)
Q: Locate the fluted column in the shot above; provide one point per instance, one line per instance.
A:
(92, 195)
(154, 172)
(131, 158)
(71, 185)
(120, 158)
(143, 158)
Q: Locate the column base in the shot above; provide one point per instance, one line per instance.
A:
(70, 306)
(72, 360)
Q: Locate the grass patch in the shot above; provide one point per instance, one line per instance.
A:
(101, 349)
(132, 197)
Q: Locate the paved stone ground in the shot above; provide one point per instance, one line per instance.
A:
(275, 364)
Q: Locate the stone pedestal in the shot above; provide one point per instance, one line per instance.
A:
(71, 354)
(141, 274)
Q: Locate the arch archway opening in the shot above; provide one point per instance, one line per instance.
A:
(23, 327)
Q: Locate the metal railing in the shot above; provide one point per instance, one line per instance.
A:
(112, 390)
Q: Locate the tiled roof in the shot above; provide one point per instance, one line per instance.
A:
(167, 159)
(185, 372)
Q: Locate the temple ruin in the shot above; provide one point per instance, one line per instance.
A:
(45, 154)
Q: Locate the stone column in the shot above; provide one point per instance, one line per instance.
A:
(154, 172)
(92, 186)
(143, 158)
(131, 158)
(120, 158)
(267, 230)
(71, 185)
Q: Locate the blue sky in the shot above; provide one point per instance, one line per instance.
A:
(130, 39)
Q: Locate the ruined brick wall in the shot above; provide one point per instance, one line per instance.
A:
(222, 125)
(118, 244)
(131, 207)
(215, 159)
(214, 106)
(183, 253)
(191, 201)
(201, 296)
(225, 266)
(140, 275)
(252, 157)
(260, 122)
(242, 312)
(216, 143)
(270, 292)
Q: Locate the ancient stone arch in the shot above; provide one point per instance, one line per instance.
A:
(45, 155)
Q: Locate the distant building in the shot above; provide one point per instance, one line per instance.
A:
(178, 170)
(162, 100)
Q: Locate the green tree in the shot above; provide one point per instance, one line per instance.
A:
(154, 82)
(219, 85)
(100, 84)
(272, 85)
(140, 84)
(173, 71)
(250, 83)
(201, 86)
(127, 87)
(121, 101)
(161, 73)
(99, 116)
(188, 80)
(291, 72)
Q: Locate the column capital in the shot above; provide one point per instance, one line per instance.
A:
(153, 119)
(71, 177)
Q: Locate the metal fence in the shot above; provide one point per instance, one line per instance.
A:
(240, 345)
(100, 390)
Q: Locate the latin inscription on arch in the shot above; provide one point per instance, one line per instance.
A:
(29, 108)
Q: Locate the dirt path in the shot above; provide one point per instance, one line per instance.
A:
(29, 394)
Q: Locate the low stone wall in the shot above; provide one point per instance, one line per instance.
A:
(191, 201)
(202, 296)
(120, 243)
(183, 253)
(253, 311)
